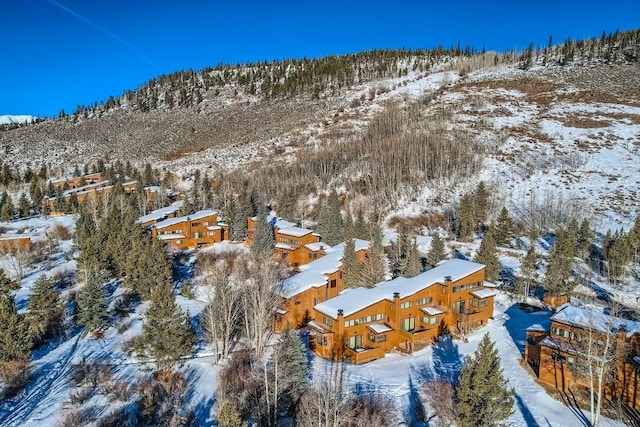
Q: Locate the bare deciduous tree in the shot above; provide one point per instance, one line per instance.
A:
(260, 300)
(221, 283)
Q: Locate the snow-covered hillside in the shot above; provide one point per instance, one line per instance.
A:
(10, 119)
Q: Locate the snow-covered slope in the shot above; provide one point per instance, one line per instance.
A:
(10, 118)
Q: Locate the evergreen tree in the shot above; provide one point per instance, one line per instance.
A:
(6, 284)
(92, 305)
(360, 229)
(633, 236)
(437, 252)
(483, 396)
(287, 371)
(399, 250)
(24, 206)
(263, 238)
(329, 221)
(7, 211)
(45, 312)
(503, 228)
(167, 331)
(481, 204)
(147, 265)
(187, 207)
(488, 255)
(229, 416)
(15, 342)
(465, 218)
(231, 217)
(373, 268)
(556, 280)
(413, 266)
(585, 239)
(351, 265)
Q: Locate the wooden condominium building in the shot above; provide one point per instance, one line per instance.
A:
(403, 314)
(316, 282)
(73, 182)
(578, 338)
(192, 231)
(159, 215)
(295, 245)
(93, 192)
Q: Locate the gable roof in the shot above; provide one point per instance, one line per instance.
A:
(353, 300)
(602, 322)
(314, 274)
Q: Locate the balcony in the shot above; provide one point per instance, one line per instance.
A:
(364, 355)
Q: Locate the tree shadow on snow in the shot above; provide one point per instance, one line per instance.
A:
(526, 413)
(414, 412)
(447, 360)
(201, 405)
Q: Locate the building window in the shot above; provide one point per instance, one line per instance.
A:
(558, 357)
(424, 301)
(298, 302)
(531, 340)
(333, 283)
(321, 340)
(327, 321)
(478, 303)
(407, 304)
(316, 301)
(408, 324)
(430, 320)
(354, 341)
(458, 306)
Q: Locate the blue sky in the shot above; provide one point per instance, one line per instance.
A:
(57, 54)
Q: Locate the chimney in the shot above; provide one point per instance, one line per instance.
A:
(340, 312)
(396, 295)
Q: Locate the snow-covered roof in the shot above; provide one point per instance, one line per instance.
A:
(283, 246)
(315, 325)
(280, 310)
(379, 328)
(315, 273)
(170, 236)
(317, 246)
(353, 300)
(597, 320)
(294, 231)
(160, 213)
(536, 327)
(152, 188)
(202, 214)
(193, 217)
(432, 311)
(488, 284)
(170, 221)
(483, 293)
(214, 227)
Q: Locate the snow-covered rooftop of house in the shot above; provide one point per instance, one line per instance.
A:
(536, 327)
(432, 311)
(317, 246)
(160, 213)
(314, 273)
(353, 300)
(283, 246)
(152, 188)
(202, 214)
(170, 236)
(483, 293)
(379, 328)
(170, 221)
(193, 217)
(295, 231)
(588, 318)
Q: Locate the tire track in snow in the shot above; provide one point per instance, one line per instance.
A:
(18, 413)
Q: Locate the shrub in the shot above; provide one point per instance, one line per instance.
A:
(15, 376)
